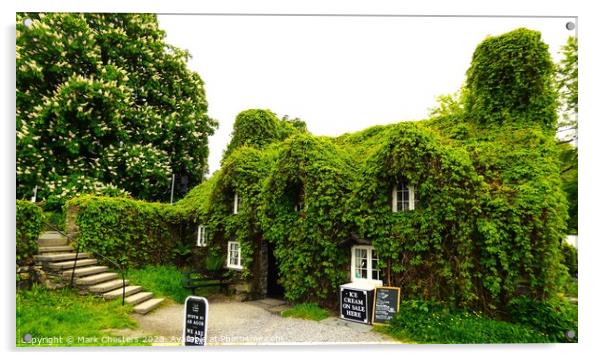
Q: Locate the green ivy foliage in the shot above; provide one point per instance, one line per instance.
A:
(259, 128)
(29, 224)
(417, 245)
(128, 231)
(311, 264)
(511, 80)
(105, 106)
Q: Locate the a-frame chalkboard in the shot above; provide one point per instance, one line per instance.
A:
(385, 304)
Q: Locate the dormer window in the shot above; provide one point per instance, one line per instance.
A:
(236, 205)
(300, 204)
(404, 197)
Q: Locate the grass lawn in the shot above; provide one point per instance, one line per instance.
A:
(308, 311)
(165, 281)
(65, 318)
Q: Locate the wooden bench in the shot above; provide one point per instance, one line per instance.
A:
(193, 280)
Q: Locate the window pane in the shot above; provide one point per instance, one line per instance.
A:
(361, 263)
(376, 272)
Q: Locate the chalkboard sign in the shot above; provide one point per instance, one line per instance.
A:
(355, 304)
(195, 321)
(386, 304)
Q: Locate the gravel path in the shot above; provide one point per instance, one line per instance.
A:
(255, 323)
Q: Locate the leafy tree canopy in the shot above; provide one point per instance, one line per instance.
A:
(567, 77)
(105, 105)
(567, 83)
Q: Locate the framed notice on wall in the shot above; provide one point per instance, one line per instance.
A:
(385, 304)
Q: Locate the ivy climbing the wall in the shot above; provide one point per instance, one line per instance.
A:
(486, 228)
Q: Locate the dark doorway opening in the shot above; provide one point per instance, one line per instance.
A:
(274, 290)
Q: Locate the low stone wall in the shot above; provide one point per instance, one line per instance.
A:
(35, 274)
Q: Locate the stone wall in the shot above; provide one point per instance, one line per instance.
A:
(35, 274)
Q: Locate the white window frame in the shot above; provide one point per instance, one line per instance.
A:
(201, 236)
(229, 263)
(411, 200)
(235, 208)
(369, 251)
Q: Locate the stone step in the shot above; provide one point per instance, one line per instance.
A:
(96, 278)
(52, 238)
(147, 306)
(85, 271)
(129, 290)
(67, 265)
(138, 298)
(61, 257)
(54, 249)
(51, 235)
(107, 286)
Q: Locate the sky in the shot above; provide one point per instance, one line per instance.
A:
(338, 74)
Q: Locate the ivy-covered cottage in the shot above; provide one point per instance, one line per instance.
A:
(464, 207)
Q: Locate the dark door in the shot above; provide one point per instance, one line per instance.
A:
(275, 290)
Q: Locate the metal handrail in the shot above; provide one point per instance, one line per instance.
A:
(122, 271)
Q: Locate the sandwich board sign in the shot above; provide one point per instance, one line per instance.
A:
(195, 321)
(386, 304)
(356, 304)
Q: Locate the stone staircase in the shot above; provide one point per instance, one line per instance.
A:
(57, 257)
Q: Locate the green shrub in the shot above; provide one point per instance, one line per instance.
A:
(553, 317)
(569, 258)
(162, 280)
(432, 323)
(29, 224)
(308, 311)
(119, 228)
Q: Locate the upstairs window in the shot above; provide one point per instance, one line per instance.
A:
(300, 204)
(364, 264)
(404, 197)
(236, 205)
(233, 261)
(201, 236)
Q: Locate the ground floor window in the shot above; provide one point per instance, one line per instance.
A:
(233, 261)
(364, 263)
